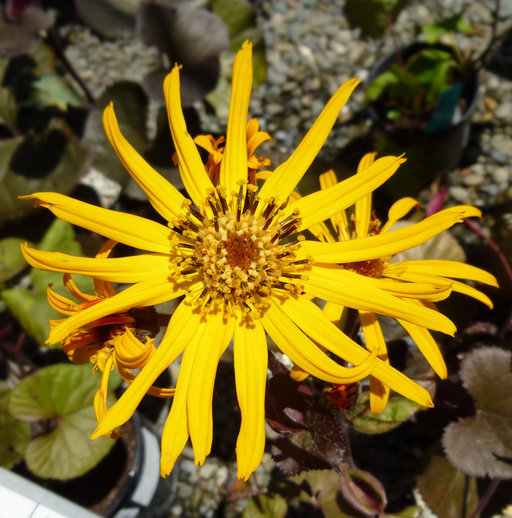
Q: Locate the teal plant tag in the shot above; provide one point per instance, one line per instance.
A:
(446, 110)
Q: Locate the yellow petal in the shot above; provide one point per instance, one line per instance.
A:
(255, 137)
(216, 335)
(428, 347)
(319, 230)
(374, 339)
(313, 322)
(193, 173)
(339, 219)
(333, 311)
(460, 287)
(131, 352)
(405, 274)
(398, 210)
(129, 269)
(417, 290)
(104, 288)
(152, 391)
(125, 228)
(250, 357)
(180, 331)
(288, 174)
(145, 293)
(297, 374)
(443, 268)
(364, 204)
(164, 197)
(323, 204)
(388, 244)
(234, 165)
(60, 303)
(72, 288)
(176, 430)
(305, 353)
(360, 292)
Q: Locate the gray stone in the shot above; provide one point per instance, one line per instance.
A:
(502, 175)
(460, 194)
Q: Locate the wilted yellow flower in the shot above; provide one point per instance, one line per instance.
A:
(107, 342)
(229, 252)
(215, 148)
(422, 282)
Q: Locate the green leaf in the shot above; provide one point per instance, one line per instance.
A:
(447, 491)
(236, 14)
(412, 511)
(457, 23)
(8, 107)
(30, 307)
(377, 87)
(323, 492)
(64, 394)
(55, 90)
(14, 434)
(398, 410)
(394, 114)
(59, 172)
(130, 104)
(60, 237)
(54, 392)
(32, 311)
(482, 445)
(46, 61)
(11, 258)
(372, 16)
(266, 506)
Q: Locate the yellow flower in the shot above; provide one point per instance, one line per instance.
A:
(215, 148)
(418, 281)
(107, 342)
(229, 252)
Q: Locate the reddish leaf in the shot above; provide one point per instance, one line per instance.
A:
(362, 491)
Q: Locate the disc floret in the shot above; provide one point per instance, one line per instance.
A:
(235, 248)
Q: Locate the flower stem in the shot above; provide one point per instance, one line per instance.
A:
(485, 499)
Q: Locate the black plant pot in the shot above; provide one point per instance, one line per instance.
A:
(427, 153)
(126, 482)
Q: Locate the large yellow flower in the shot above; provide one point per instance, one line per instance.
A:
(229, 252)
(395, 276)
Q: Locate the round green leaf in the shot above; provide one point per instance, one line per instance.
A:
(67, 451)
(14, 434)
(54, 392)
(64, 394)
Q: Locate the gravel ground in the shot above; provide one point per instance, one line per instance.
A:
(310, 51)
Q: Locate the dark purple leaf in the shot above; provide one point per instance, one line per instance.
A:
(286, 403)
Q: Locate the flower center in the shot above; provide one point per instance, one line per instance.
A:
(236, 249)
(370, 268)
